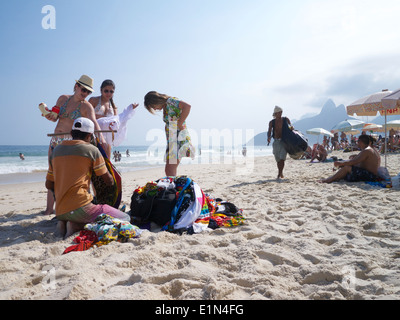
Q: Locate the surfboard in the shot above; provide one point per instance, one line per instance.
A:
(110, 195)
(295, 142)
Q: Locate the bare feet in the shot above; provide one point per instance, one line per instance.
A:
(325, 181)
(48, 212)
(66, 229)
(73, 228)
(61, 229)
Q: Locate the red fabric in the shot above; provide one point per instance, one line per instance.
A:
(85, 241)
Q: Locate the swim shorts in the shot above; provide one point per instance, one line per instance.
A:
(279, 150)
(90, 212)
(359, 174)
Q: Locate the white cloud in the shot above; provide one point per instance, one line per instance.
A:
(336, 49)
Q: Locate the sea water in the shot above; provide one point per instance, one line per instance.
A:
(35, 165)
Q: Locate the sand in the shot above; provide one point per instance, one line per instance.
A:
(302, 240)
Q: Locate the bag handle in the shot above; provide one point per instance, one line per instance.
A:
(146, 216)
(180, 200)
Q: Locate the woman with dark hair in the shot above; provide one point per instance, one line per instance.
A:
(108, 118)
(104, 104)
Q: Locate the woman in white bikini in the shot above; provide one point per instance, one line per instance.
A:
(108, 117)
(104, 105)
(71, 107)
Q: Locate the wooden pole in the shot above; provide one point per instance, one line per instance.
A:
(63, 134)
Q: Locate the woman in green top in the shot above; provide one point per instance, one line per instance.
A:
(175, 114)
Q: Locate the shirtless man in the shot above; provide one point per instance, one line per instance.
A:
(319, 153)
(275, 131)
(363, 167)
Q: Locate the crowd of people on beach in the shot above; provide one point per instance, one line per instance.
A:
(347, 145)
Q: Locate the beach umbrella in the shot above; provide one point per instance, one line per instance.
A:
(353, 132)
(370, 106)
(392, 101)
(372, 127)
(393, 125)
(319, 131)
(348, 125)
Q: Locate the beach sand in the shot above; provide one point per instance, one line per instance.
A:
(302, 240)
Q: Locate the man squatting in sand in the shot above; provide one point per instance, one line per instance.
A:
(275, 131)
(363, 167)
(70, 170)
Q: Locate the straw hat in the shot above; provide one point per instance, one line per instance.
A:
(277, 110)
(86, 82)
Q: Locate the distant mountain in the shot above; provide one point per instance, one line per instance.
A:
(329, 116)
(381, 120)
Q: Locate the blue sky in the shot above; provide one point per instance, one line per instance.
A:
(232, 60)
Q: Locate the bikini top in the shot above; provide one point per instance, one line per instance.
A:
(100, 110)
(73, 115)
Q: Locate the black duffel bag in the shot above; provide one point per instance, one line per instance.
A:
(150, 207)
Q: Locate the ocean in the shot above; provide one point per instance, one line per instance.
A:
(34, 167)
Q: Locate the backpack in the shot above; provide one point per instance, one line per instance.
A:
(153, 206)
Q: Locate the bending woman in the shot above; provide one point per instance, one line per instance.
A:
(71, 108)
(175, 113)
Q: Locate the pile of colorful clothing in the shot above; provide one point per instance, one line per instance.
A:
(193, 210)
(104, 230)
(222, 214)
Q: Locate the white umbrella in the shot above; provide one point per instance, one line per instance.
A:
(348, 125)
(318, 132)
(392, 101)
(372, 127)
(393, 124)
(353, 132)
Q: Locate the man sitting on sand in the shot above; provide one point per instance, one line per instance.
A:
(363, 167)
(69, 176)
(319, 153)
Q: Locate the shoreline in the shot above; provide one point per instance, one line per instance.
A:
(35, 177)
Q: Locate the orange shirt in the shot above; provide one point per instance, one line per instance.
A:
(71, 168)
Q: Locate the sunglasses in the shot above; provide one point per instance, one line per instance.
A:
(109, 91)
(84, 90)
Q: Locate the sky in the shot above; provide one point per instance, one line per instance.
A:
(233, 61)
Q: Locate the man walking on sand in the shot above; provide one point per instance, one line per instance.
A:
(275, 131)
